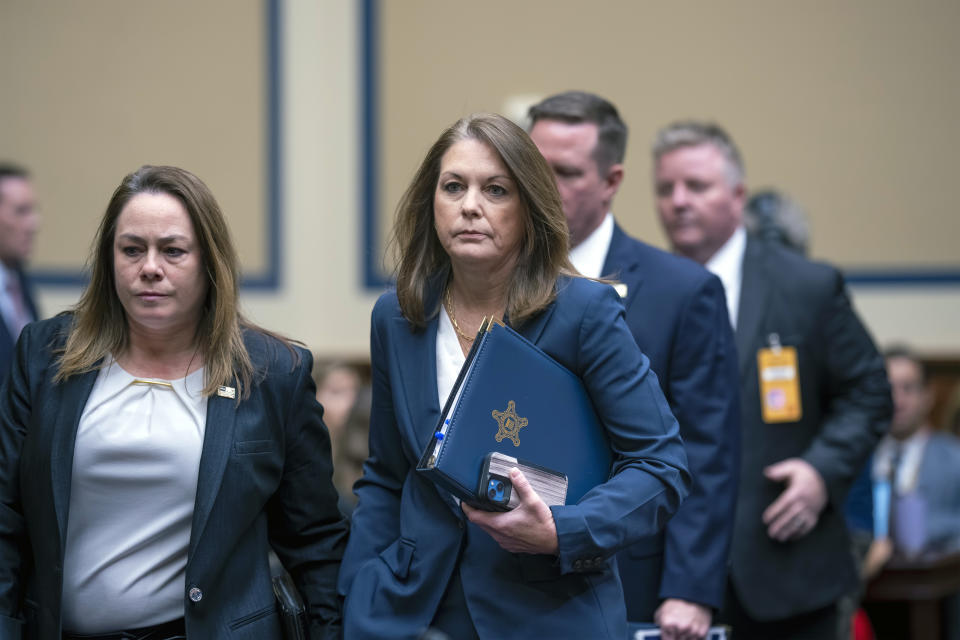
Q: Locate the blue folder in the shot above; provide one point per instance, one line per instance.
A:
(513, 398)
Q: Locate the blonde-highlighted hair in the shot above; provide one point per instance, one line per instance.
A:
(99, 324)
(422, 261)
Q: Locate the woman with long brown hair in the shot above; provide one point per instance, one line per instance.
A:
(154, 445)
(480, 232)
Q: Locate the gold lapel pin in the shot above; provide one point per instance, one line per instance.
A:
(227, 392)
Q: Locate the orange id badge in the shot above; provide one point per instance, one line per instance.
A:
(779, 384)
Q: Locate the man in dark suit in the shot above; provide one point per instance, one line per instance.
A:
(814, 393)
(18, 226)
(677, 314)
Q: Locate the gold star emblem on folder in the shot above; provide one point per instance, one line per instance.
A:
(510, 424)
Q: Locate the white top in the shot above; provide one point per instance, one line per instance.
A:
(588, 256)
(135, 468)
(8, 308)
(727, 264)
(450, 356)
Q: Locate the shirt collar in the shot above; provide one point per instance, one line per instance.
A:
(729, 257)
(588, 256)
(727, 264)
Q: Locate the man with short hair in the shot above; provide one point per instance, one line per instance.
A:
(677, 314)
(814, 394)
(919, 465)
(19, 220)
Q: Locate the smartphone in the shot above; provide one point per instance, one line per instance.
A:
(496, 491)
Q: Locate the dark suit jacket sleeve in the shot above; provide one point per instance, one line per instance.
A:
(705, 397)
(14, 418)
(376, 520)
(306, 528)
(649, 476)
(857, 396)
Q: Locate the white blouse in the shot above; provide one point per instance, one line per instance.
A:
(450, 356)
(135, 468)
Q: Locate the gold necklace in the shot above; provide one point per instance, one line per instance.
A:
(453, 318)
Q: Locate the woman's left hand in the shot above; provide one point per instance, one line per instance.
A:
(529, 528)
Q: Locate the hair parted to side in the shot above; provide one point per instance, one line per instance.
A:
(422, 260)
(692, 133)
(99, 321)
(575, 107)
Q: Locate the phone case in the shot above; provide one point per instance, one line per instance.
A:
(497, 492)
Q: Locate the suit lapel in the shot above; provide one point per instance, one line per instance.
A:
(6, 338)
(754, 295)
(75, 392)
(621, 264)
(27, 290)
(534, 327)
(217, 445)
(416, 351)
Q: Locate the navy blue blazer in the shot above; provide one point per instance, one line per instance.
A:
(265, 481)
(408, 536)
(677, 312)
(846, 406)
(7, 342)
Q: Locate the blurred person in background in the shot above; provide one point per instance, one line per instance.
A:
(773, 216)
(345, 397)
(919, 465)
(338, 384)
(154, 445)
(19, 221)
(916, 482)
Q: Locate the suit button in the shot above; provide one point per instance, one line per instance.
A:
(460, 524)
(578, 564)
(195, 594)
(597, 561)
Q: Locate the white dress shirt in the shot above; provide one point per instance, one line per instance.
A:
(135, 469)
(727, 264)
(588, 256)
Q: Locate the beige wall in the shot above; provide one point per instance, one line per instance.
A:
(847, 106)
(93, 90)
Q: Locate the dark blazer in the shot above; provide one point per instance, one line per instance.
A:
(408, 536)
(7, 342)
(265, 480)
(677, 313)
(846, 408)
